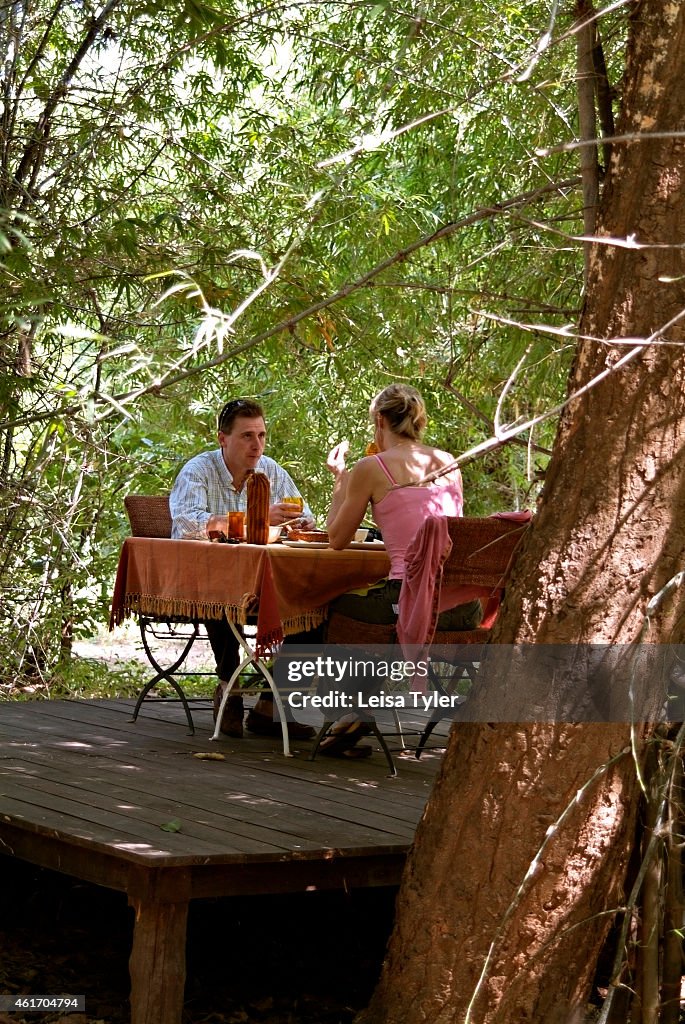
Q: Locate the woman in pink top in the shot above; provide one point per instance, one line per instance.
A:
(391, 483)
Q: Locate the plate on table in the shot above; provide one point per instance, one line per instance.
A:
(363, 545)
(305, 543)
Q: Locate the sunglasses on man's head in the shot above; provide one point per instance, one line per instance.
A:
(230, 407)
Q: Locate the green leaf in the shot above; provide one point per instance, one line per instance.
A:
(171, 826)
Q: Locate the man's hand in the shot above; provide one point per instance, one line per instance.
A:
(337, 458)
(217, 523)
(282, 513)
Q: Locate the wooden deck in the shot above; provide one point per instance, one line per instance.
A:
(85, 792)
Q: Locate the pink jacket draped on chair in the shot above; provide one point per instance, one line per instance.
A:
(423, 596)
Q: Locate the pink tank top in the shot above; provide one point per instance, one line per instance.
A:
(403, 509)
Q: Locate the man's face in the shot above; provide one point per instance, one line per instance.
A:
(244, 446)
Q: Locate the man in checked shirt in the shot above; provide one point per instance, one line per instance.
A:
(207, 488)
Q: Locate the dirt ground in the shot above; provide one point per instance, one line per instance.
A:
(123, 646)
(304, 959)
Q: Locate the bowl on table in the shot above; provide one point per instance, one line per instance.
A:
(274, 534)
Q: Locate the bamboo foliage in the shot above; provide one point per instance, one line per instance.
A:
(298, 203)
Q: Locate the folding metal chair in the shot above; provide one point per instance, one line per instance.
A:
(347, 632)
(149, 516)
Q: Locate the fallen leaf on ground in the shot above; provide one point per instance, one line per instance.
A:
(171, 826)
(210, 756)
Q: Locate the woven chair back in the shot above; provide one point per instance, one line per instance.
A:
(351, 632)
(148, 515)
(482, 552)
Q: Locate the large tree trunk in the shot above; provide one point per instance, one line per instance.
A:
(501, 915)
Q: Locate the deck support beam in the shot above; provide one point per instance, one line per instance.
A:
(158, 957)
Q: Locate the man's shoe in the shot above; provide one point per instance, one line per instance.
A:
(232, 718)
(264, 725)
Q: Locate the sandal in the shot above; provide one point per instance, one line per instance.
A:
(342, 742)
(334, 746)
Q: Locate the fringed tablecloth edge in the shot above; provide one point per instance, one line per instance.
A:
(305, 620)
(172, 607)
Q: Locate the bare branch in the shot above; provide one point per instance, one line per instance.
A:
(480, 415)
(639, 346)
(629, 242)
(30, 161)
(586, 116)
(542, 45)
(568, 147)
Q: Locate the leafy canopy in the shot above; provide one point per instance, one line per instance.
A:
(300, 202)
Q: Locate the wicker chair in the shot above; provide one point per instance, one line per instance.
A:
(149, 516)
(483, 552)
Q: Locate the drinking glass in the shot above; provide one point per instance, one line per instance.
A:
(297, 503)
(236, 525)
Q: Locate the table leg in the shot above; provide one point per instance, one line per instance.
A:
(158, 958)
(250, 658)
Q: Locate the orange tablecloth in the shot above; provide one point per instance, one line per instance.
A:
(289, 588)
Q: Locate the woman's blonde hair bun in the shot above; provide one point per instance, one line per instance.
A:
(403, 408)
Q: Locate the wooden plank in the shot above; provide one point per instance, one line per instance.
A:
(301, 876)
(295, 771)
(142, 821)
(169, 714)
(100, 828)
(313, 829)
(209, 799)
(68, 814)
(413, 720)
(69, 856)
(198, 809)
(367, 775)
(358, 786)
(291, 800)
(294, 805)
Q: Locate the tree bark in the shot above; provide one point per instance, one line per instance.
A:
(514, 878)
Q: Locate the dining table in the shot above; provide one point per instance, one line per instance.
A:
(283, 588)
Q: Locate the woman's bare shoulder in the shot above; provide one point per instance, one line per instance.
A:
(440, 457)
(365, 473)
(365, 465)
